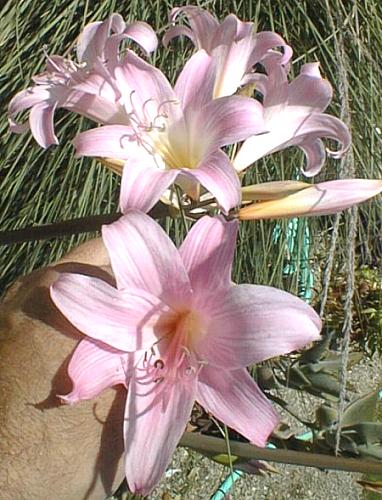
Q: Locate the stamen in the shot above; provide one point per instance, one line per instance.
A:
(159, 364)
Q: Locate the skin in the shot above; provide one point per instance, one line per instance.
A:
(47, 449)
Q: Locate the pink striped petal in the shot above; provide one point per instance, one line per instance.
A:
(251, 323)
(127, 321)
(235, 399)
(195, 84)
(41, 124)
(144, 257)
(202, 25)
(320, 199)
(265, 41)
(143, 34)
(175, 31)
(145, 90)
(309, 89)
(25, 100)
(155, 418)
(228, 120)
(109, 141)
(96, 108)
(218, 176)
(94, 367)
(143, 183)
(207, 253)
(295, 129)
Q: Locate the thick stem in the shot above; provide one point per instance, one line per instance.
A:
(213, 445)
(87, 224)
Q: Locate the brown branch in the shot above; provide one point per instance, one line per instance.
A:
(87, 224)
(214, 446)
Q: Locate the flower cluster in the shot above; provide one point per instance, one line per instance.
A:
(174, 328)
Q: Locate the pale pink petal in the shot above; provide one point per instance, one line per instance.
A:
(145, 90)
(266, 41)
(234, 398)
(41, 124)
(92, 40)
(232, 47)
(125, 320)
(143, 34)
(208, 251)
(143, 183)
(195, 83)
(97, 108)
(144, 257)
(95, 366)
(227, 120)
(24, 100)
(249, 323)
(320, 199)
(156, 416)
(310, 90)
(202, 24)
(175, 31)
(109, 141)
(295, 129)
(94, 37)
(315, 154)
(218, 176)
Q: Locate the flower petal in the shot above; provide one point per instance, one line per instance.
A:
(202, 25)
(195, 83)
(109, 141)
(24, 100)
(41, 124)
(145, 90)
(218, 176)
(265, 42)
(94, 367)
(295, 129)
(143, 183)
(249, 323)
(155, 419)
(208, 251)
(125, 320)
(235, 399)
(143, 34)
(228, 120)
(144, 257)
(319, 199)
(309, 89)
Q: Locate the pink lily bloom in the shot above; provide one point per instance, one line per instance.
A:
(293, 114)
(290, 199)
(175, 329)
(173, 134)
(232, 44)
(86, 87)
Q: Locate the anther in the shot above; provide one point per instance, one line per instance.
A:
(159, 364)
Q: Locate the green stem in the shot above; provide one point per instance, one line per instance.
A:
(214, 446)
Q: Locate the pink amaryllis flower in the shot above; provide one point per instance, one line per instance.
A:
(234, 46)
(175, 329)
(86, 87)
(294, 198)
(173, 134)
(293, 114)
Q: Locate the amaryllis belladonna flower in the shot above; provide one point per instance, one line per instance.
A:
(293, 198)
(86, 87)
(293, 114)
(234, 46)
(173, 134)
(175, 329)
